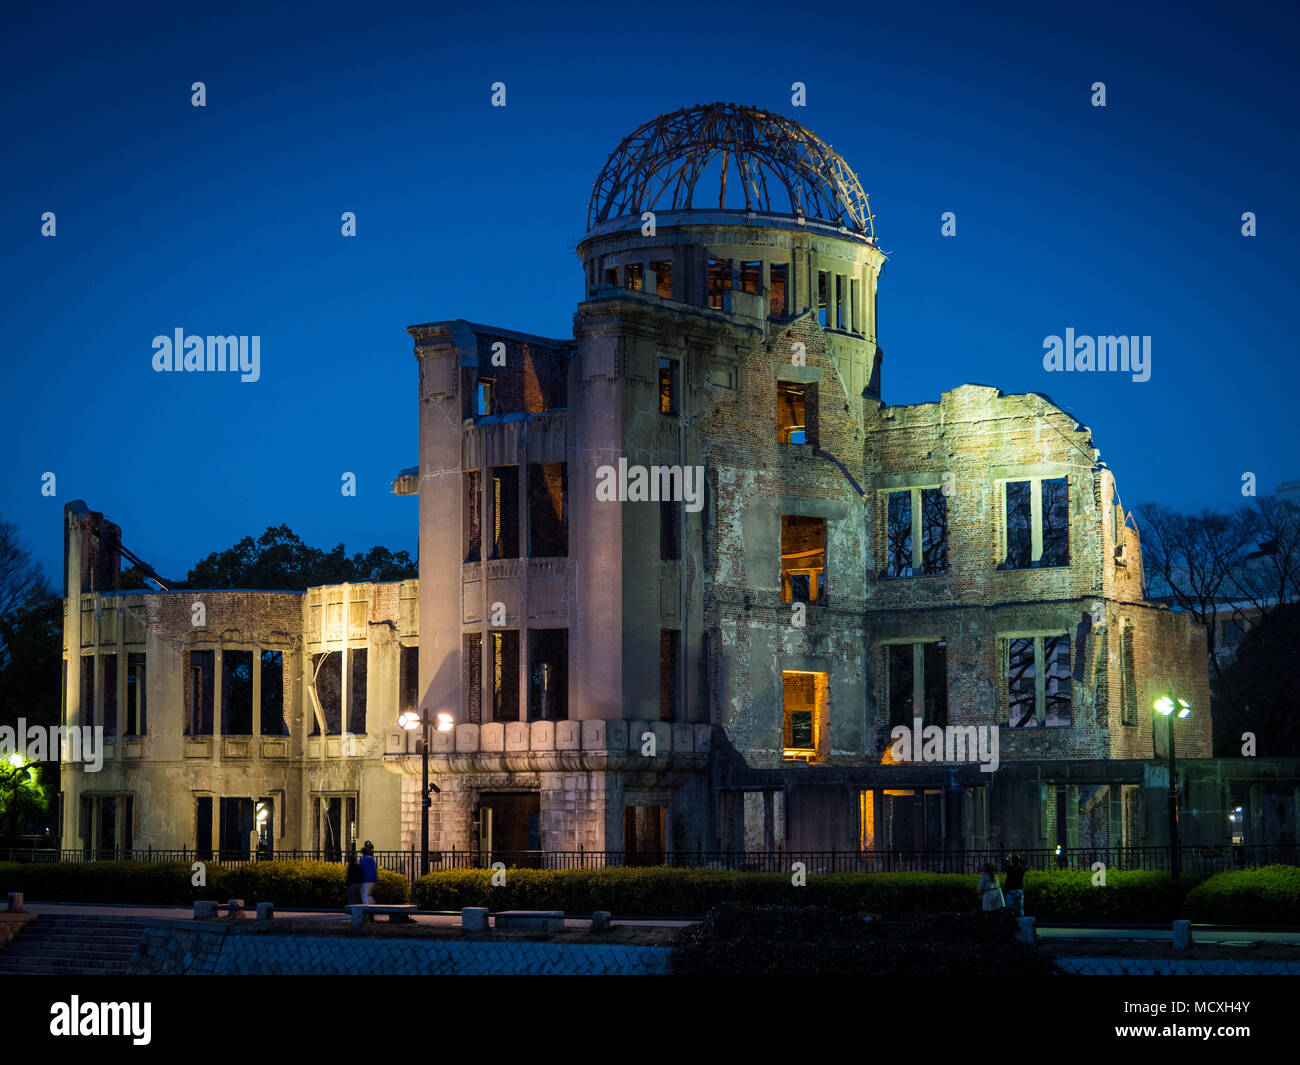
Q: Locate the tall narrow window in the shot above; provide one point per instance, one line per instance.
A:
(471, 523)
(236, 693)
(485, 397)
(1056, 681)
(357, 663)
(934, 681)
(271, 720)
(236, 828)
(720, 284)
(1056, 522)
(1128, 677)
(669, 643)
(505, 674)
(821, 297)
(136, 723)
(548, 674)
(471, 660)
(203, 827)
(408, 677)
(777, 305)
(934, 531)
(668, 386)
(670, 523)
(803, 558)
(839, 301)
(899, 535)
(108, 665)
(792, 412)
(548, 509)
(1021, 683)
(901, 670)
(663, 278)
(855, 308)
(1020, 527)
(328, 671)
(200, 693)
(634, 276)
(505, 512)
(751, 277)
(804, 698)
(87, 710)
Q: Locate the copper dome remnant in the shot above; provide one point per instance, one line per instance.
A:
(656, 168)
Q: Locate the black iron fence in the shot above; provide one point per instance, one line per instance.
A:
(1195, 858)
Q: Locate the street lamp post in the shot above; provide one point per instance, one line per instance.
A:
(1170, 707)
(411, 720)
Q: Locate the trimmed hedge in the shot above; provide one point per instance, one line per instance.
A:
(287, 884)
(740, 940)
(1270, 895)
(1129, 897)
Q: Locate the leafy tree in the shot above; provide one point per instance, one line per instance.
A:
(279, 560)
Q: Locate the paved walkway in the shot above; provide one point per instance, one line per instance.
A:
(181, 913)
(1200, 934)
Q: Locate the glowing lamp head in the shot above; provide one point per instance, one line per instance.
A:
(444, 722)
(1164, 705)
(1184, 708)
(15, 760)
(409, 720)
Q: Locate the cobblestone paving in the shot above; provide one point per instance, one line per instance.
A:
(304, 954)
(1175, 967)
(174, 948)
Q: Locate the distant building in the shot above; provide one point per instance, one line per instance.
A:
(690, 666)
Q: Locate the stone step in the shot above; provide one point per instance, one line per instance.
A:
(72, 944)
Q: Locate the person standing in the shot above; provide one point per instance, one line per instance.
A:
(352, 880)
(369, 873)
(1015, 892)
(989, 888)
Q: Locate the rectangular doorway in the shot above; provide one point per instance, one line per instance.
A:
(643, 834)
(509, 827)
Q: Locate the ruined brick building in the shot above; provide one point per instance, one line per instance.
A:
(714, 658)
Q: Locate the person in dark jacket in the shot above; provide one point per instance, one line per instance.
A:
(369, 873)
(1015, 891)
(352, 880)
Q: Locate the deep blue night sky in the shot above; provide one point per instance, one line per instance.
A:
(226, 220)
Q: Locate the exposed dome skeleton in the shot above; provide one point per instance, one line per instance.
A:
(657, 167)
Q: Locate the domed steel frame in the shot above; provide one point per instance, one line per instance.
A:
(656, 167)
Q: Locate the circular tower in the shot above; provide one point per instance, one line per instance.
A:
(743, 212)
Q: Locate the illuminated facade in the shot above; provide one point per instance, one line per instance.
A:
(682, 575)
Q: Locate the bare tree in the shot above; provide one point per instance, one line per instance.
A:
(1194, 559)
(21, 579)
(1269, 576)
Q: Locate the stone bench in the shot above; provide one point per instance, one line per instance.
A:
(530, 920)
(363, 914)
(206, 910)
